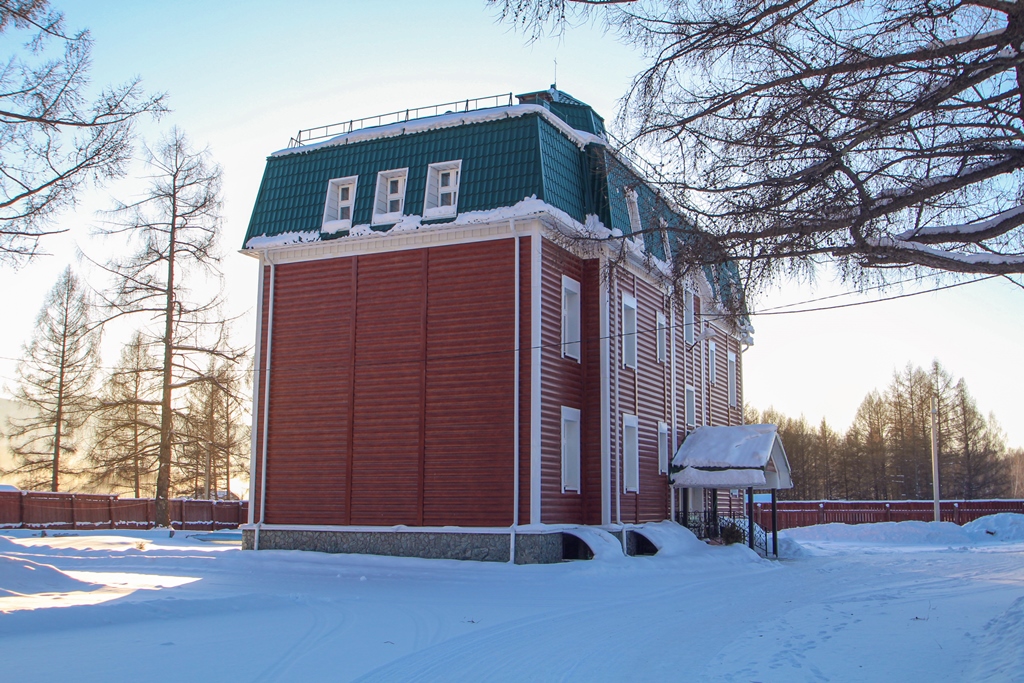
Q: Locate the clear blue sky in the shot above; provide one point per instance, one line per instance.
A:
(244, 76)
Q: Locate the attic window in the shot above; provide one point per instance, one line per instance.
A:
(389, 201)
(442, 195)
(341, 197)
(633, 207)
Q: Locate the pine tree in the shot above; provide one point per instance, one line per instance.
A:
(127, 427)
(54, 381)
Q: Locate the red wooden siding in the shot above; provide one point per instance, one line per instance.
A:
(309, 359)
(422, 395)
(525, 365)
(590, 423)
(470, 374)
(561, 385)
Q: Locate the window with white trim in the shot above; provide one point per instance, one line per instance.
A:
(688, 317)
(732, 379)
(389, 200)
(691, 407)
(570, 449)
(341, 198)
(633, 208)
(712, 362)
(661, 330)
(570, 318)
(442, 194)
(630, 453)
(629, 331)
(663, 447)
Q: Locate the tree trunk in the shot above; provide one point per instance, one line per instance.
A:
(163, 477)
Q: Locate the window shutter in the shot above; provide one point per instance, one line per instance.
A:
(663, 447)
(630, 453)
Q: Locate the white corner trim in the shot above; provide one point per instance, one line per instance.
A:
(535, 385)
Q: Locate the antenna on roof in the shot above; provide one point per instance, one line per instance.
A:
(554, 86)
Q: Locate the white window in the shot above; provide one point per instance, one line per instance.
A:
(688, 317)
(662, 334)
(442, 195)
(570, 449)
(341, 198)
(633, 207)
(712, 362)
(570, 318)
(629, 331)
(630, 453)
(691, 407)
(663, 447)
(389, 201)
(732, 379)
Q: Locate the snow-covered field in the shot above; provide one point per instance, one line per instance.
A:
(884, 602)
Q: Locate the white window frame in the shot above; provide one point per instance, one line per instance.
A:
(712, 363)
(732, 380)
(630, 453)
(433, 194)
(633, 208)
(570, 449)
(382, 197)
(661, 332)
(663, 447)
(688, 317)
(333, 222)
(690, 407)
(629, 331)
(572, 325)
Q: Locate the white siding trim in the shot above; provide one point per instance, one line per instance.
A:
(266, 407)
(688, 317)
(254, 431)
(535, 385)
(606, 411)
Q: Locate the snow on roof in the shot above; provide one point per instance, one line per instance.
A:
(724, 447)
(732, 457)
(581, 138)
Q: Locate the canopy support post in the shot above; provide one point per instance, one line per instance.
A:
(750, 517)
(775, 524)
(685, 508)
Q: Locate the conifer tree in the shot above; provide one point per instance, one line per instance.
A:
(54, 382)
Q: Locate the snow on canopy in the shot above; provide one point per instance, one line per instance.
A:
(732, 457)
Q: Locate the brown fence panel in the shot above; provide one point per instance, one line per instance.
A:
(808, 513)
(243, 512)
(131, 513)
(41, 510)
(197, 515)
(92, 511)
(225, 514)
(10, 509)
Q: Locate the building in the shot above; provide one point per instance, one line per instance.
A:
(467, 336)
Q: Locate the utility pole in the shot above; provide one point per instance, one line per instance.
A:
(935, 456)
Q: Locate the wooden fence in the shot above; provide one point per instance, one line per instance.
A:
(807, 513)
(42, 510)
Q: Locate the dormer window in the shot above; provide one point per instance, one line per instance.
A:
(341, 197)
(389, 201)
(442, 195)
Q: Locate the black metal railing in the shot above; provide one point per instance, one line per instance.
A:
(460, 106)
(734, 528)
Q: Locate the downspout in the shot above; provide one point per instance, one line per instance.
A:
(672, 402)
(254, 432)
(606, 417)
(266, 407)
(515, 405)
(616, 360)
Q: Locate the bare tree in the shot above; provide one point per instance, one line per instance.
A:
(53, 139)
(1015, 464)
(174, 227)
(217, 447)
(127, 423)
(54, 382)
(876, 134)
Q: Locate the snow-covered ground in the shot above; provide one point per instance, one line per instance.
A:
(884, 602)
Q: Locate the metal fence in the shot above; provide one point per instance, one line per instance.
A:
(45, 510)
(808, 513)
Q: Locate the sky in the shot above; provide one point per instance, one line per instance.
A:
(242, 78)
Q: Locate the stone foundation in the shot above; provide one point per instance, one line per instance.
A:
(531, 548)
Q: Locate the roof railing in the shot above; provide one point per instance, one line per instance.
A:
(320, 132)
